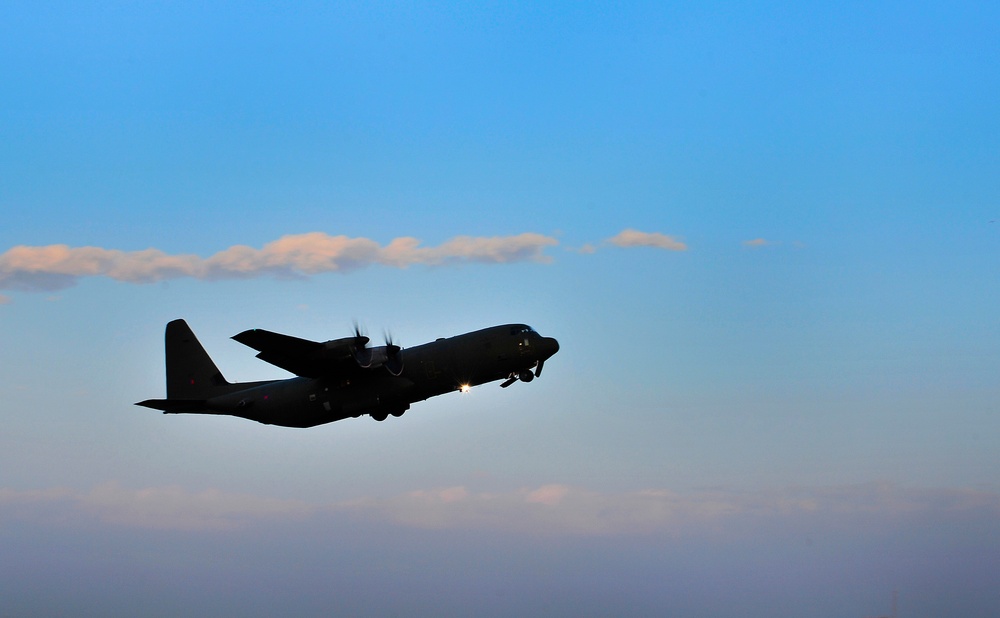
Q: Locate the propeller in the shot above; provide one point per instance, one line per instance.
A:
(394, 358)
(360, 340)
(362, 353)
(387, 337)
(389, 356)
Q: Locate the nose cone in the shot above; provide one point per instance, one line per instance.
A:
(548, 347)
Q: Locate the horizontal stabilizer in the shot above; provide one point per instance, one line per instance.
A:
(174, 406)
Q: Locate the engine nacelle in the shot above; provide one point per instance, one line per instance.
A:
(388, 356)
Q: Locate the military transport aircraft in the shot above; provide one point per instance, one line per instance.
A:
(344, 378)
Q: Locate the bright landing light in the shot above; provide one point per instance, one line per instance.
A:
(464, 388)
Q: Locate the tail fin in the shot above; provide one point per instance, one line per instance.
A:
(191, 374)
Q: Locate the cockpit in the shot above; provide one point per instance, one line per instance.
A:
(520, 329)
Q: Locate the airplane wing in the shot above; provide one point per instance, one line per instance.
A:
(308, 359)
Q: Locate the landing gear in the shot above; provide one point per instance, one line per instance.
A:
(383, 413)
(525, 375)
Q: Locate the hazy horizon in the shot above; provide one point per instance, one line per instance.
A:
(764, 235)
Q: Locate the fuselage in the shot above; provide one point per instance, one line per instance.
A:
(442, 366)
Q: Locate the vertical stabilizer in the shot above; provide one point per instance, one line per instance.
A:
(191, 374)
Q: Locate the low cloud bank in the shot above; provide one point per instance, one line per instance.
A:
(547, 509)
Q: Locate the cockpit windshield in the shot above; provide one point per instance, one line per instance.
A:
(521, 329)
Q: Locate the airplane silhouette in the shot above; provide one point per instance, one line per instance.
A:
(344, 378)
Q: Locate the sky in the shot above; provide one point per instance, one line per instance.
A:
(766, 236)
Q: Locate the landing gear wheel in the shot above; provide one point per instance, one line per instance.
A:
(380, 416)
(526, 376)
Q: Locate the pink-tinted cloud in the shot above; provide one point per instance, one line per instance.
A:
(635, 238)
(54, 267)
(527, 247)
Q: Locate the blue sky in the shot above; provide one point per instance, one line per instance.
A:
(765, 235)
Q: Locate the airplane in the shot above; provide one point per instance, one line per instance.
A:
(345, 378)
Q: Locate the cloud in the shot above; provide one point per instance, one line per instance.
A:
(548, 509)
(758, 242)
(635, 238)
(54, 267)
(173, 507)
(548, 494)
(162, 508)
(562, 509)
